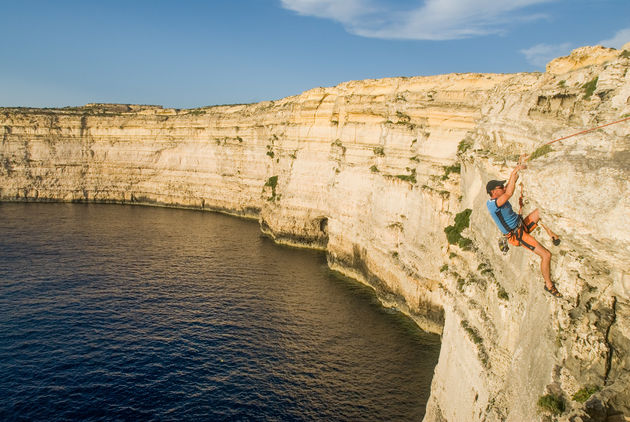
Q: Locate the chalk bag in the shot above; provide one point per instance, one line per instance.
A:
(503, 245)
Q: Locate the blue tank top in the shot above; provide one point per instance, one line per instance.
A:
(503, 216)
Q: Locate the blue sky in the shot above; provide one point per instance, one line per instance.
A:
(193, 53)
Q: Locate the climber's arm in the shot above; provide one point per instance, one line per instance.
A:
(511, 185)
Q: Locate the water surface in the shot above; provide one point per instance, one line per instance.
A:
(134, 313)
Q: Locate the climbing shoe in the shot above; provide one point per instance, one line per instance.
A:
(553, 291)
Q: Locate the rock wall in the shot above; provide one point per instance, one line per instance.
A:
(372, 172)
(507, 343)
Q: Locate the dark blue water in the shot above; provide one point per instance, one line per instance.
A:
(130, 313)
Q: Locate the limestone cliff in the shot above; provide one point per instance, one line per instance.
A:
(372, 172)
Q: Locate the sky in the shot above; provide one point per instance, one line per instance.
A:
(194, 53)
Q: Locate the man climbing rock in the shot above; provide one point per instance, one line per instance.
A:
(516, 228)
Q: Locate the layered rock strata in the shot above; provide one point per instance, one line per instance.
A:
(373, 172)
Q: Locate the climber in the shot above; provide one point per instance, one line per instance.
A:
(516, 228)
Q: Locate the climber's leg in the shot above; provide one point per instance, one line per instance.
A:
(532, 244)
(531, 222)
(554, 237)
(545, 264)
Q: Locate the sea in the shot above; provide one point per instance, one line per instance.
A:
(130, 313)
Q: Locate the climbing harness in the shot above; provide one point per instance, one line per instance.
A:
(514, 236)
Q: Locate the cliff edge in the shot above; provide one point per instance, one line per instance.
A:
(373, 172)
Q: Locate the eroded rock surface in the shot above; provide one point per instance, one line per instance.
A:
(372, 172)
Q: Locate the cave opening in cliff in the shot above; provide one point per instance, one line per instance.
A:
(323, 225)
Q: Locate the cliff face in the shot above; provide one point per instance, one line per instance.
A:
(507, 342)
(373, 171)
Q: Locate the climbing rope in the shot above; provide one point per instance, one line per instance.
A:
(579, 133)
(523, 161)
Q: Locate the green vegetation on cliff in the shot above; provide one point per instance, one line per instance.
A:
(455, 168)
(272, 182)
(585, 393)
(454, 232)
(589, 87)
(552, 404)
(540, 151)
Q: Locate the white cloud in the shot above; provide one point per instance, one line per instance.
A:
(620, 38)
(342, 11)
(429, 20)
(541, 54)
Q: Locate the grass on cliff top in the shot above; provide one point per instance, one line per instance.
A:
(552, 404)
